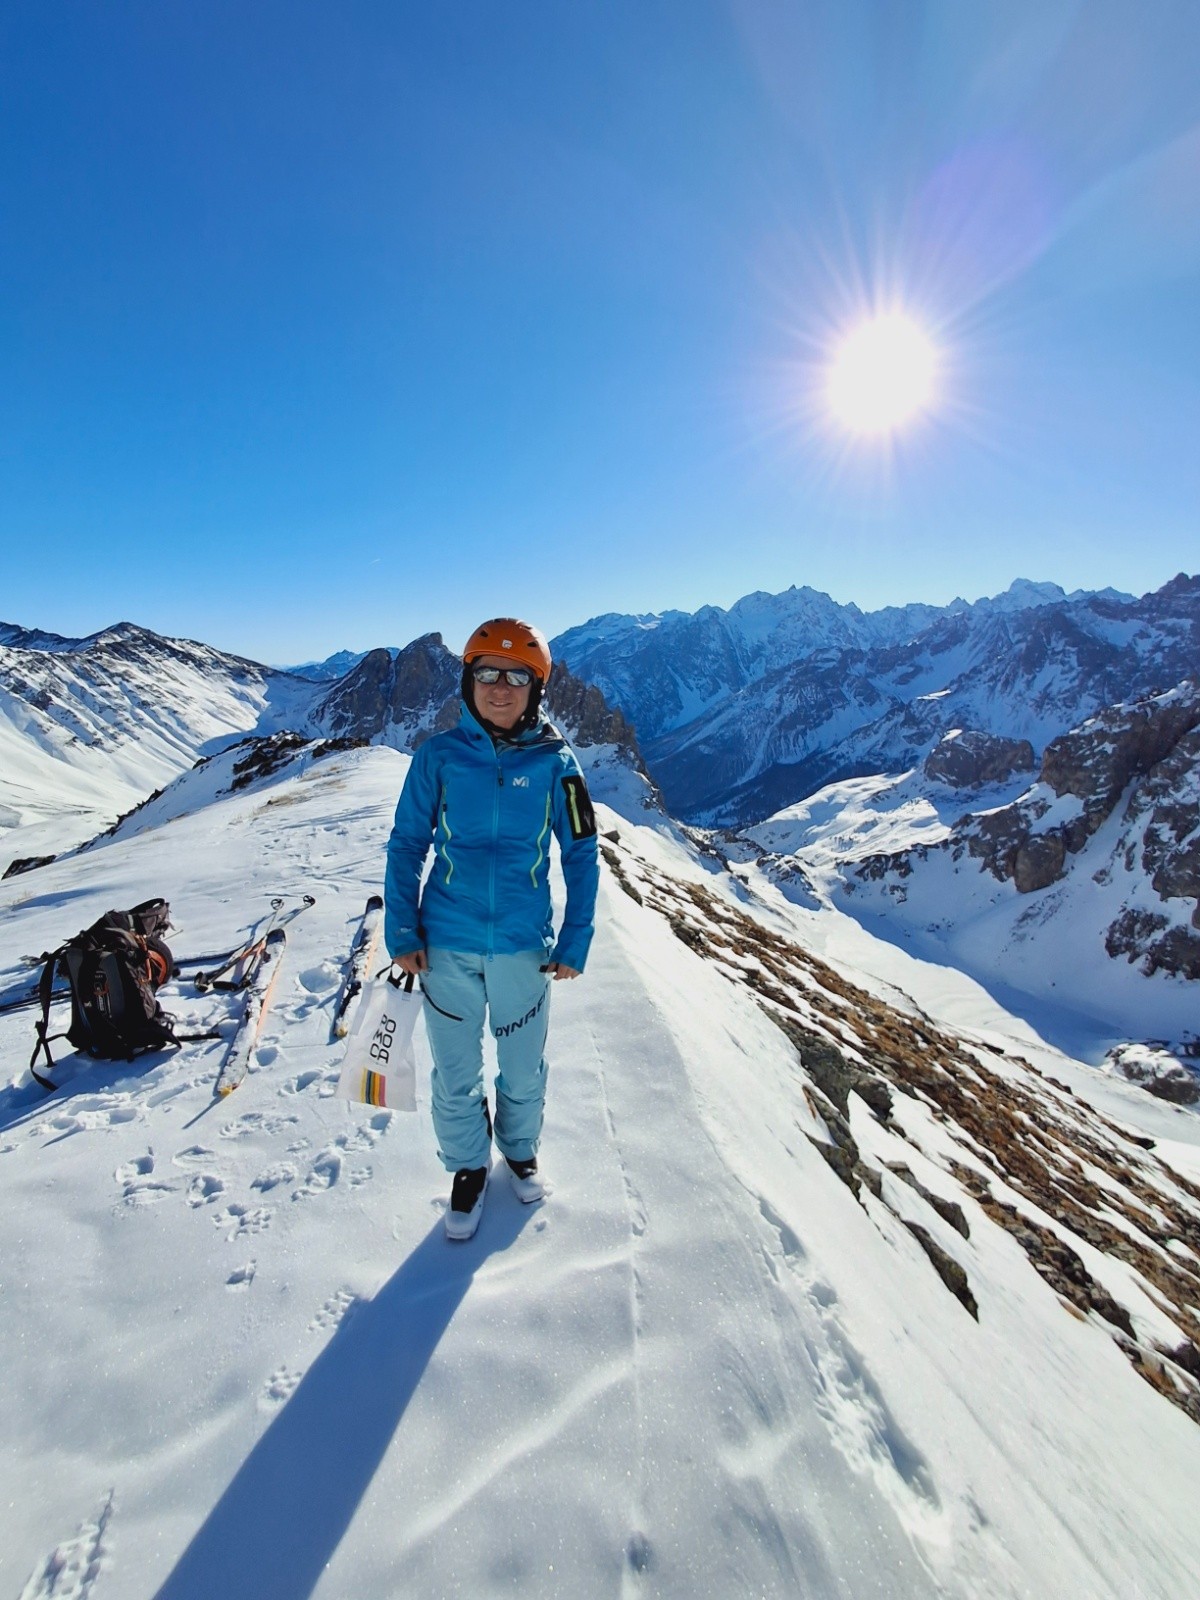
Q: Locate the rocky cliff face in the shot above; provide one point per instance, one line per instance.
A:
(1134, 767)
(971, 759)
(401, 701)
(582, 708)
(393, 700)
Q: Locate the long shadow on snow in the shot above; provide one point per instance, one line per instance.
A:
(76, 1074)
(61, 897)
(277, 1526)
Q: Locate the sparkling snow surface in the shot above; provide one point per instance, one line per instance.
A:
(242, 1360)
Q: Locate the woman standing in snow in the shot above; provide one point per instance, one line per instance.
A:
(486, 795)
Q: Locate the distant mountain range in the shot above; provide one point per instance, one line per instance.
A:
(813, 734)
(742, 712)
(90, 727)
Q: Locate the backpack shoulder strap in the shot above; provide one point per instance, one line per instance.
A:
(45, 984)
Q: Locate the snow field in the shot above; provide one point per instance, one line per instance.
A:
(243, 1359)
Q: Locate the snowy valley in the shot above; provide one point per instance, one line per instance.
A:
(856, 1278)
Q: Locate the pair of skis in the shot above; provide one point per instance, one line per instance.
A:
(256, 969)
(259, 990)
(358, 970)
(253, 969)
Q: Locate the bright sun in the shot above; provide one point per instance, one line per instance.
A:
(882, 376)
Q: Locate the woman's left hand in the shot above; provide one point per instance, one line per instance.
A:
(557, 970)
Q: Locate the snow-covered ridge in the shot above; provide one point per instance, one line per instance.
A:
(1072, 892)
(829, 1297)
(900, 1066)
(88, 728)
(1131, 773)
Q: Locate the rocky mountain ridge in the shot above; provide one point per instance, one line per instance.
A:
(399, 700)
(1145, 754)
(846, 704)
(90, 728)
(665, 669)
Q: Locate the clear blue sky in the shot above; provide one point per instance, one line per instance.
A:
(325, 325)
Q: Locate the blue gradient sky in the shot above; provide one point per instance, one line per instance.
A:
(322, 326)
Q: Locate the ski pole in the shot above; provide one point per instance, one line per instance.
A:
(250, 952)
(33, 999)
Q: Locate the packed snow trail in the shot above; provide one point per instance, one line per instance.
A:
(700, 1368)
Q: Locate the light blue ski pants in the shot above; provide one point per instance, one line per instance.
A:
(515, 993)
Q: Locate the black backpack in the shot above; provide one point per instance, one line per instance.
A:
(113, 969)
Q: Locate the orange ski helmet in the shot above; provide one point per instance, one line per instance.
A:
(505, 636)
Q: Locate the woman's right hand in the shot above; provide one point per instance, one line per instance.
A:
(414, 961)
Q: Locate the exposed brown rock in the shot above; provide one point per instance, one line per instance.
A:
(1013, 1127)
(382, 690)
(21, 864)
(971, 759)
(947, 1269)
(1097, 760)
(1038, 861)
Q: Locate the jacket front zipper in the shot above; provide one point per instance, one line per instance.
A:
(491, 949)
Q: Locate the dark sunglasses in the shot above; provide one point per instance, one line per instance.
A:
(515, 677)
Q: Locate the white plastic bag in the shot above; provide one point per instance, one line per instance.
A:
(380, 1066)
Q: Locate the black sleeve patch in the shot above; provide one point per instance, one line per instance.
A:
(580, 816)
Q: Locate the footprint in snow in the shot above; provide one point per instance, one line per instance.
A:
(321, 979)
(172, 1091)
(279, 1387)
(196, 1155)
(267, 1054)
(139, 1167)
(300, 1083)
(70, 1571)
(239, 1220)
(90, 1112)
(334, 1311)
(279, 1172)
(256, 1122)
(638, 1553)
(204, 1188)
(326, 1171)
(242, 1277)
(789, 1241)
(137, 1186)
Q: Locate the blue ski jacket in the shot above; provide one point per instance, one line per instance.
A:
(488, 810)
